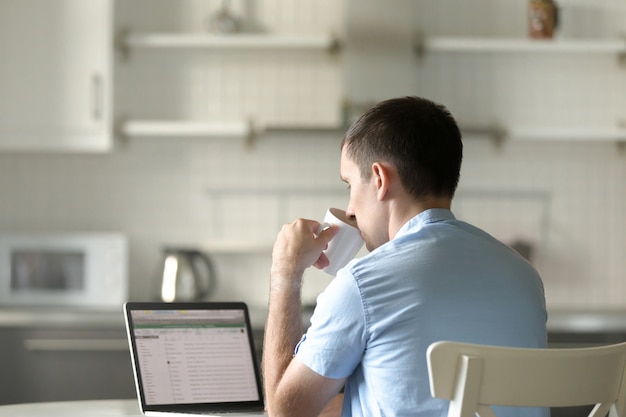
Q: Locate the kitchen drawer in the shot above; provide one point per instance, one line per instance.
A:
(62, 364)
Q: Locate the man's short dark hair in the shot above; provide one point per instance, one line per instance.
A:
(417, 136)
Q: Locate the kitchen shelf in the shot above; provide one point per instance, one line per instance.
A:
(569, 134)
(545, 134)
(534, 47)
(478, 44)
(157, 128)
(277, 191)
(230, 41)
(246, 130)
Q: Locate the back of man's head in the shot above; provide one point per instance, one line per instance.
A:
(419, 137)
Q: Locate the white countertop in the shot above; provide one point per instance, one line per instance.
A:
(559, 320)
(59, 317)
(53, 317)
(587, 321)
(97, 408)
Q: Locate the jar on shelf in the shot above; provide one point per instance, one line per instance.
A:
(542, 18)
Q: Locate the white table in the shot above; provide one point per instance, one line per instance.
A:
(94, 408)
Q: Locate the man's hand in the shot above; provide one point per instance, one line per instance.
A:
(297, 247)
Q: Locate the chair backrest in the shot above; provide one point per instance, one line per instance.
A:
(474, 377)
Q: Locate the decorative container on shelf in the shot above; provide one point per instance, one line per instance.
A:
(542, 19)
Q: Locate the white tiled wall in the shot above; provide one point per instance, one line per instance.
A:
(565, 198)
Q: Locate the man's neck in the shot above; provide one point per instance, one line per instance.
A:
(402, 213)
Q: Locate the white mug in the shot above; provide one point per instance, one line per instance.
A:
(345, 244)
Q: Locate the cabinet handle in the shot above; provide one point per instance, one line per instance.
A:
(97, 97)
(69, 345)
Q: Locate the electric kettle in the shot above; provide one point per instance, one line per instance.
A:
(188, 275)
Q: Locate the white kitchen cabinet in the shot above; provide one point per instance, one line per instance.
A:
(55, 75)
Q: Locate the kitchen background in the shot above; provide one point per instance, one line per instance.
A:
(139, 117)
(544, 165)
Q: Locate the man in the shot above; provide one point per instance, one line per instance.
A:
(428, 277)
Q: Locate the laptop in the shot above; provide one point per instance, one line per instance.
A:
(194, 358)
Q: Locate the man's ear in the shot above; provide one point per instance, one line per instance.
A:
(381, 175)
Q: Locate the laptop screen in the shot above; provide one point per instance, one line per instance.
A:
(193, 353)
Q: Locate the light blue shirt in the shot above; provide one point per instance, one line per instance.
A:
(438, 279)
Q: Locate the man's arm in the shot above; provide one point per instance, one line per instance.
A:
(292, 389)
(333, 409)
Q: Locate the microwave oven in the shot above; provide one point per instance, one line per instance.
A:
(64, 270)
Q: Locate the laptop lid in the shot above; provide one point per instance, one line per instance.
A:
(193, 356)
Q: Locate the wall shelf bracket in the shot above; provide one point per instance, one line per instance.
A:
(495, 133)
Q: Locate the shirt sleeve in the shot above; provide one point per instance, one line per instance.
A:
(334, 343)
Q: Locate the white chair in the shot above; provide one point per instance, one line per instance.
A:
(474, 377)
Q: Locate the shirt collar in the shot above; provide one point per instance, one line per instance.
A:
(433, 215)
